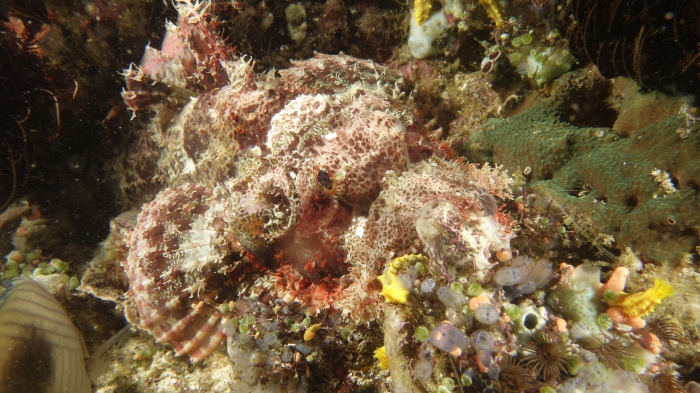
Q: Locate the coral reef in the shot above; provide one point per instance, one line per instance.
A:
(299, 221)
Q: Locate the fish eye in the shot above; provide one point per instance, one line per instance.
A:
(324, 179)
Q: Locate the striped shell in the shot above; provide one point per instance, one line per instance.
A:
(40, 348)
(177, 267)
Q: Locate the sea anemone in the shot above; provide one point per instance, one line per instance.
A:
(547, 357)
(665, 329)
(613, 353)
(515, 378)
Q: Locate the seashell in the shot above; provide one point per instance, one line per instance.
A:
(178, 248)
(39, 345)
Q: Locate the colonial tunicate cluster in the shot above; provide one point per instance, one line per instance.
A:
(525, 277)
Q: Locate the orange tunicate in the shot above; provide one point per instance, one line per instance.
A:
(477, 301)
(561, 325)
(650, 342)
(618, 316)
(617, 281)
(503, 255)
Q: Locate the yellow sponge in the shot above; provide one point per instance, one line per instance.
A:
(642, 303)
(380, 355)
(392, 291)
(421, 10)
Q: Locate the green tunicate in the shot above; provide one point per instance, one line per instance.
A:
(442, 389)
(466, 380)
(561, 229)
(249, 319)
(604, 321)
(234, 321)
(73, 283)
(540, 58)
(12, 265)
(467, 311)
(610, 296)
(345, 333)
(43, 264)
(32, 256)
(575, 363)
(564, 52)
(306, 321)
(311, 357)
(474, 289)
(544, 220)
(547, 389)
(526, 39)
(515, 58)
(295, 327)
(533, 52)
(512, 311)
(565, 336)
(225, 308)
(457, 287)
(421, 334)
(59, 265)
(517, 41)
(420, 267)
(520, 198)
(64, 278)
(146, 353)
(243, 328)
(448, 383)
